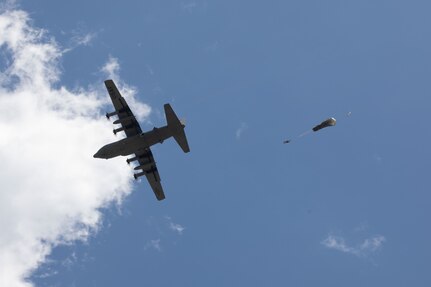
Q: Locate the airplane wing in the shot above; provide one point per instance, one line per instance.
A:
(128, 122)
(149, 169)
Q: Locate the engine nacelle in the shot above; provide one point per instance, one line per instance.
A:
(129, 160)
(108, 115)
(115, 131)
(137, 175)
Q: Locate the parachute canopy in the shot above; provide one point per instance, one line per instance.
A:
(326, 123)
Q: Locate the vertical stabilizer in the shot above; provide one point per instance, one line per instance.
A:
(176, 127)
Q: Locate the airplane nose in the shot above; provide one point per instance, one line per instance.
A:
(103, 152)
(98, 154)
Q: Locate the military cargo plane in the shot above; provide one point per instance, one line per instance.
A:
(138, 143)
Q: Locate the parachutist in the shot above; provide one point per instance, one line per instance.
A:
(286, 141)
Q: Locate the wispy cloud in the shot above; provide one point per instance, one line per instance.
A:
(112, 69)
(83, 39)
(214, 46)
(69, 261)
(189, 7)
(154, 244)
(242, 128)
(337, 243)
(196, 5)
(378, 158)
(52, 267)
(150, 70)
(79, 37)
(47, 273)
(363, 249)
(175, 226)
(79, 40)
(372, 244)
(8, 5)
(52, 131)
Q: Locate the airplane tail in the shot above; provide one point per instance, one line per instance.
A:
(176, 127)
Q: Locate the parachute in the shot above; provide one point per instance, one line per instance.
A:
(326, 123)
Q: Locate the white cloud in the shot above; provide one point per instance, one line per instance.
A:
(367, 247)
(83, 39)
(8, 4)
(70, 261)
(112, 69)
(362, 227)
(338, 243)
(175, 226)
(372, 244)
(155, 244)
(192, 6)
(80, 40)
(150, 70)
(378, 158)
(47, 273)
(52, 189)
(80, 36)
(213, 47)
(189, 7)
(242, 128)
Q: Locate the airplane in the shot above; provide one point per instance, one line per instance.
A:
(137, 142)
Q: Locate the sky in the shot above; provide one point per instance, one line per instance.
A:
(346, 206)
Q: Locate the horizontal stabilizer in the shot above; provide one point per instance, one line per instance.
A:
(176, 127)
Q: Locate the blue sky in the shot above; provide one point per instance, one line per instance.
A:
(346, 206)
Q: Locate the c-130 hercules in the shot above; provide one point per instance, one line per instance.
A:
(138, 142)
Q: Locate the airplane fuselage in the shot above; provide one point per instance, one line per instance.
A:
(131, 145)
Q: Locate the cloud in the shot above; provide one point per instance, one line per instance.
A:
(155, 244)
(80, 40)
(189, 7)
(213, 47)
(161, 226)
(242, 128)
(336, 243)
(367, 247)
(192, 6)
(84, 39)
(52, 190)
(8, 4)
(372, 244)
(378, 158)
(70, 261)
(175, 226)
(79, 36)
(112, 69)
